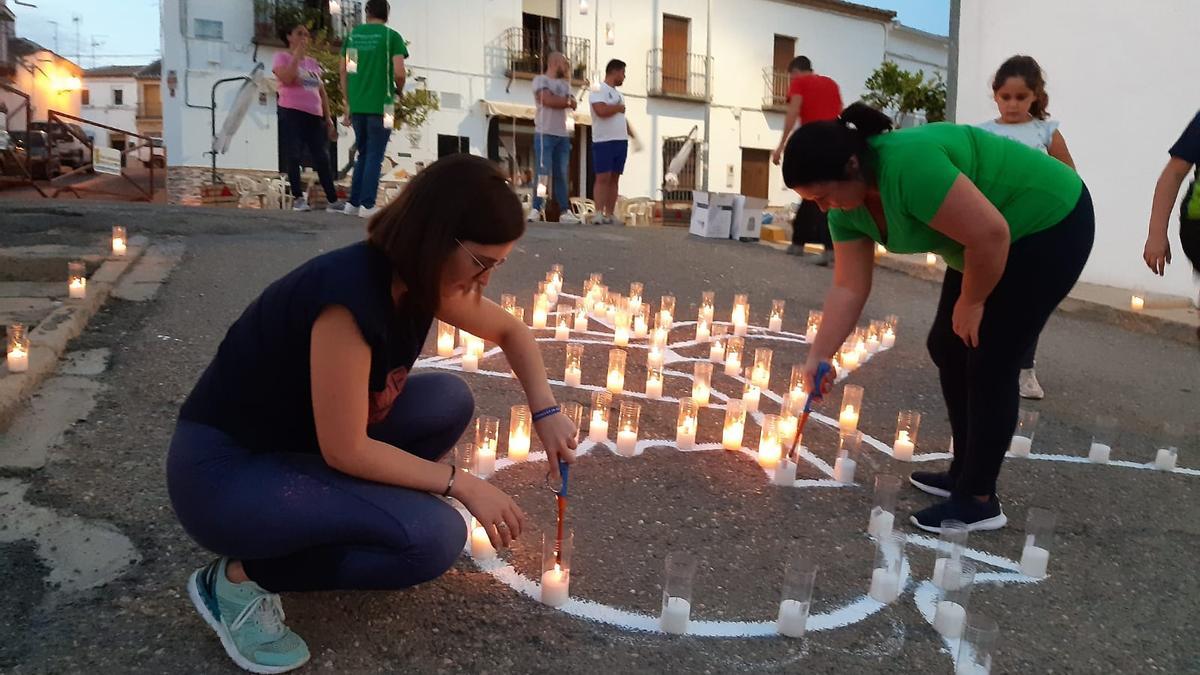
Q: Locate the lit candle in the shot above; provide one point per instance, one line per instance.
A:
(1099, 453)
(761, 377)
(555, 585)
(872, 344)
(881, 523)
(931, 259)
(17, 360)
(539, 315)
(776, 324)
(733, 361)
(885, 587)
(702, 382)
(562, 331)
(519, 433)
(675, 615)
(903, 448)
(1137, 303)
(1034, 561)
(573, 376)
(1020, 446)
(581, 319)
(739, 320)
(702, 330)
(598, 429)
(665, 319)
(685, 434)
(640, 329)
(572, 370)
(810, 335)
(470, 361)
(751, 396)
(626, 442)
(889, 338)
(716, 353)
(787, 429)
(949, 618)
(627, 427)
(78, 288)
(654, 383)
(119, 240)
(769, 453)
(621, 336)
(518, 448)
(701, 392)
(654, 356)
(485, 458)
(735, 426)
(848, 420)
(785, 473)
(666, 314)
(616, 371)
(481, 546)
(1164, 460)
(793, 618)
(850, 360)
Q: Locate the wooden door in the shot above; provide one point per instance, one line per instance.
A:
(756, 172)
(675, 54)
(151, 100)
(785, 50)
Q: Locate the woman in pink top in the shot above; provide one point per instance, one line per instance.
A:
(305, 122)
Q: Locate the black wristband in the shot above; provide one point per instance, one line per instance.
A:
(450, 483)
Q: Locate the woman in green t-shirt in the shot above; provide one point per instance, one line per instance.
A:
(1015, 228)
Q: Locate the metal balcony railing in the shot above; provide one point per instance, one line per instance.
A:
(334, 17)
(775, 88)
(150, 109)
(526, 51)
(678, 75)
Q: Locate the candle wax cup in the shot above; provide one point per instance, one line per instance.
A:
(949, 618)
(848, 420)
(118, 246)
(889, 340)
(775, 324)
(470, 363)
(539, 318)
(768, 455)
(518, 448)
(18, 361)
(573, 377)
(701, 332)
(445, 345)
(555, 587)
(78, 290)
(598, 430)
(1034, 560)
(810, 335)
(843, 470)
(947, 574)
(903, 448)
(751, 399)
(562, 332)
(675, 615)
(733, 365)
(881, 523)
(581, 324)
(485, 460)
(885, 587)
(1099, 453)
(731, 438)
(685, 435)
(716, 353)
(1165, 460)
(654, 388)
(739, 329)
(626, 442)
(700, 394)
(1020, 446)
(793, 617)
(481, 546)
(785, 473)
(616, 382)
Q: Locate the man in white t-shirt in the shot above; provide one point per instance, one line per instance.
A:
(551, 141)
(610, 140)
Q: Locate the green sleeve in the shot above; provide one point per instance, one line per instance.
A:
(925, 174)
(399, 46)
(842, 226)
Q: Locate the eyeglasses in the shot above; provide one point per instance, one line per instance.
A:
(483, 268)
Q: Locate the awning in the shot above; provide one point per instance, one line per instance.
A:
(524, 112)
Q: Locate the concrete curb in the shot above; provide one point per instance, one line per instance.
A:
(49, 340)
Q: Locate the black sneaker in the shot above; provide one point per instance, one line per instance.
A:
(977, 515)
(935, 483)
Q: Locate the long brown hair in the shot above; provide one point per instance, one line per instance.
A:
(457, 198)
(1026, 68)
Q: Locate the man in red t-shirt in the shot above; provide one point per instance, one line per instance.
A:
(811, 98)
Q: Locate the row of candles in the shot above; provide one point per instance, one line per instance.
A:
(1103, 439)
(17, 337)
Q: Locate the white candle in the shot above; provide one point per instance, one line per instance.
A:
(872, 344)
(731, 437)
(555, 584)
(445, 344)
(843, 470)
(118, 246)
(1137, 303)
(539, 317)
(675, 616)
(18, 361)
(793, 617)
(616, 381)
(1034, 560)
(775, 324)
(1165, 460)
(481, 546)
(702, 331)
(785, 473)
(739, 329)
(654, 388)
(598, 429)
(700, 393)
(1099, 453)
(635, 304)
(626, 442)
(562, 332)
(769, 454)
(733, 364)
(931, 259)
(470, 361)
(665, 318)
(967, 668)
(485, 459)
(787, 430)
(654, 357)
(949, 618)
(903, 448)
(885, 587)
(685, 434)
(716, 353)
(78, 289)
(761, 377)
(848, 421)
(947, 574)
(1020, 446)
(889, 339)
(518, 447)
(881, 523)
(581, 322)
(810, 335)
(640, 329)
(751, 398)
(850, 360)
(572, 376)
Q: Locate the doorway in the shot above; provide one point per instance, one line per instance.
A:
(785, 51)
(756, 172)
(675, 54)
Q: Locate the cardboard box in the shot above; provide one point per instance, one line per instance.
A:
(712, 214)
(747, 218)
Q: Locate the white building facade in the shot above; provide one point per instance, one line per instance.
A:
(1121, 106)
(126, 98)
(479, 56)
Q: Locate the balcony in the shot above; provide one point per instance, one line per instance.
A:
(526, 50)
(775, 89)
(149, 110)
(335, 18)
(679, 75)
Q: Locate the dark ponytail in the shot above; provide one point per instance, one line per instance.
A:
(1026, 68)
(819, 151)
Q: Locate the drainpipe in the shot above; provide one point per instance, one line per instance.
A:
(704, 154)
(952, 62)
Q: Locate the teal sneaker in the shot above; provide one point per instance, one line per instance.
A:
(248, 619)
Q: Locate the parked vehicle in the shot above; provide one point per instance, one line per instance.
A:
(72, 152)
(43, 157)
(156, 156)
(12, 156)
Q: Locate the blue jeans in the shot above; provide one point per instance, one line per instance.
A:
(552, 154)
(299, 525)
(371, 137)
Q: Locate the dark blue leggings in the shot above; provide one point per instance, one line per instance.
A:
(299, 525)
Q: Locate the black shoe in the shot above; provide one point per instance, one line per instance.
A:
(795, 249)
(825, 259)
(977, 515)
(932, 482)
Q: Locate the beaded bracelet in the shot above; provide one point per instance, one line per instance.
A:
(547, 412)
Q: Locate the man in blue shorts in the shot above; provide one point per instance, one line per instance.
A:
(610, 140)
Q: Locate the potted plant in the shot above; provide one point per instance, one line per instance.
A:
(413, 109)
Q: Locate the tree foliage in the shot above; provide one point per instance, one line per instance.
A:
(900, 92)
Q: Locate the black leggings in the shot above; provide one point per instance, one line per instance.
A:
(980, 384)
(811, 224)
(302, 131)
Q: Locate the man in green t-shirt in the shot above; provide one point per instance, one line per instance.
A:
(372, 73)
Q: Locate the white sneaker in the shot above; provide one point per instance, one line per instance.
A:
(350, 210)
(1030, 388)
(569, 218)
(364, 212)
(301, 204)
(535, 216)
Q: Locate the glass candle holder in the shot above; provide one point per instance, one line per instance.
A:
(557, 271)
(1167, 456)
(775, 323)
(796, 396)
(17, 348)
(622, 326)
(508, 302)
(519, 313)
(641, 322)
(596, 277)
(599, 300)
(581, 316)
(481, 545)
(1137, 301)
(1103, 436)
(852, 401)
(1022, 440)
(574, 412)
(520, 432)
(573, 368)
(702, 382)
(654, 355)
(707, 299)
(556, 568)
(473, 352)
(751, 393)
(703, 328)
(541, 310)
(716, 350)
(874, 337)
(487, 436)
(120, 241)
(891, 324)
(666, 311)
(654, 381)
(563, 319)
(886, 573)
(1039, 537)
(950, 614)
(789, 425)
(635, 296)
(952, 542)
(849, 443)
(849, 358)
(76, 280)
(616, 370)
(761, 373)
(977, 648)
(796, 597)
(908, 423)
(679, 575)
(735, 425)
(740, 314)
(734, 347)
(883, 513)
(464, 456)
(814, 325)
(770, 449)
(598, 422)
(445, 339)
(686, 424)
(891, 321)
(627, 427)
